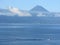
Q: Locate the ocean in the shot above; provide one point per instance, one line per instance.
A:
(29, 34)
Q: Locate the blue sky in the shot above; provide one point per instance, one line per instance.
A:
(51, 5)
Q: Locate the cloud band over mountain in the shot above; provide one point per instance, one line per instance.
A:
(36, 11)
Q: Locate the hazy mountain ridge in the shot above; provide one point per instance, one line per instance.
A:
(43, 16)
(36, 11)
(39, 9)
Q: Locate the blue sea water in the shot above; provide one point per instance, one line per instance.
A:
(29, 34)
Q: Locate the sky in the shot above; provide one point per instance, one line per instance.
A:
(50, 5)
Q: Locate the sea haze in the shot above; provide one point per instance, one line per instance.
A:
(29, 34)
(37, 26)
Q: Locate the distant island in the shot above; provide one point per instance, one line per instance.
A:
(38, 14)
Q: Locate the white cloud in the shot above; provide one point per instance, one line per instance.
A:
(20, 13)
(41, 14)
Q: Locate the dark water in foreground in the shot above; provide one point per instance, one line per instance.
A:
(29, 34)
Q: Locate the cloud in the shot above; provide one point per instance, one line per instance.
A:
(18, 12)
(41, 14)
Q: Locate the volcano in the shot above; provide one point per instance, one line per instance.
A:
(39, 8)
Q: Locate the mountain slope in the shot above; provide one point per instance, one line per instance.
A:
(39, 9)
(40, 12)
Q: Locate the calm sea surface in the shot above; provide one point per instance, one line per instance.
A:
(29, 34)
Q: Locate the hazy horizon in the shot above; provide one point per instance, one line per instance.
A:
(51, 5)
